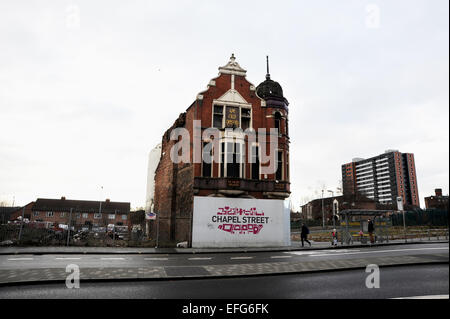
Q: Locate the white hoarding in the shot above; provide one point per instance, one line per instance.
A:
(239, 222)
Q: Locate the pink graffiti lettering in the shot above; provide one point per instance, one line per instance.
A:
(239, 211)
(241, 229)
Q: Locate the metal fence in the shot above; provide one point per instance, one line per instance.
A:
(383, 236)
(45, 234)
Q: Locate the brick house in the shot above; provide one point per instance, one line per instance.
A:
(25, 211)
(438, 201)
(313, 209)
(229, 102)
(84, 212)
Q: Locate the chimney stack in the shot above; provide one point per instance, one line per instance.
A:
(63, 198)
(438, 192)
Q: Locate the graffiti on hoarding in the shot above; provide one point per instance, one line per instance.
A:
(239, 211)
(239, 220)
(241, 229)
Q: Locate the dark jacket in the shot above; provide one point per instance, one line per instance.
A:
(305, 231)
(370, 227)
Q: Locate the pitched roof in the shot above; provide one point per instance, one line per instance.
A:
(86, 206)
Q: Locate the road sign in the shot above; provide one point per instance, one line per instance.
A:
(150, 216)
(400, 203)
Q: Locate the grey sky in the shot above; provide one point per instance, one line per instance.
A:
(87, 89)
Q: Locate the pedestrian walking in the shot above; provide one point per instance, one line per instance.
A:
(361, 235)
(370, 229)
(334, 237)
(304, 235)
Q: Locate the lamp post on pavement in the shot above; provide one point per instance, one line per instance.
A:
(323, 213)
(400, 208)
(332, 195)
(335, 211)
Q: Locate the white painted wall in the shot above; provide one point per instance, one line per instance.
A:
(214, 226)
(153, 161)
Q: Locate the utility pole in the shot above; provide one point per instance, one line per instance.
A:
(335, 211)
(400, 208)
(332, 196)
(157, 230)
(114, 227)
(21, 225)
(323, 213)
(68, 228)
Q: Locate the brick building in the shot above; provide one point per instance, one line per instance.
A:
(19, 211)
(84, 212)
(313, 209)
(237, 170)
(383, 178)
(437, 201)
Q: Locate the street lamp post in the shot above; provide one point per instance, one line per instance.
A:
(323, 213)
(332, 195)
(68, 228)
(114, 227)
(400, 208)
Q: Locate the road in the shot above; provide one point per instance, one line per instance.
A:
(400, 281)
(168, 260)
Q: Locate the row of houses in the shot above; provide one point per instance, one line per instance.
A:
(67, 211)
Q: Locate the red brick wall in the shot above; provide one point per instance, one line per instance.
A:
(19, 212)
(413, 180)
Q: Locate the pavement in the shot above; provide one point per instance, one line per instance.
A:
(295, 245)
(51, 267)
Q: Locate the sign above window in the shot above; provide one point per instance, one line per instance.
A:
(232, 116)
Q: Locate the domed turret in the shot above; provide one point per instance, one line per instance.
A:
(269, 89)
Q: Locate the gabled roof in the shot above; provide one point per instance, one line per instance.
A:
(232, 67)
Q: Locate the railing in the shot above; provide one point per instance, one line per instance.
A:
(355, 237)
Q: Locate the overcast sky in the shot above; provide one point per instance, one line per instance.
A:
(87, 88)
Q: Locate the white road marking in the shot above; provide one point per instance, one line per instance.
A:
(241, 258)
(156, 258)
(112, 258)
(14, 259)
(314, 252)
(280, 256)
(200, 258)
(68, 258)
(425, 297)
(376, 251)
